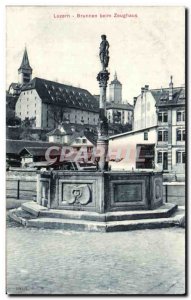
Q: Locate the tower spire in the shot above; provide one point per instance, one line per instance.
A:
(25, 61)
(25, 70)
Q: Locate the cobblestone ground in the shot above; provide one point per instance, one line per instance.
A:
(64, 262)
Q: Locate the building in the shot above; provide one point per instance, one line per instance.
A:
(67, 134)
(158, 129)
(133, 150)
(49, 102)
(117, 111)
(21, 152)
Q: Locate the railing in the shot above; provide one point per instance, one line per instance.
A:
(21, 188)
(25, 189)
(174, 193)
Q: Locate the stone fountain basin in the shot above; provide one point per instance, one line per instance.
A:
(100, 192)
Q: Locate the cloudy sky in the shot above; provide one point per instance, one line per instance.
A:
(144, 49)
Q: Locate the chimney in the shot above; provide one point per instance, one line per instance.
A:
(142, 91)
(146, 87)
(171, 89)
(134, 100)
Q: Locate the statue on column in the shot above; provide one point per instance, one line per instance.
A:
(104, 52)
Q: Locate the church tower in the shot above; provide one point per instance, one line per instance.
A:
(25, 70)
(115, 90)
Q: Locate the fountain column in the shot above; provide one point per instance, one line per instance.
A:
(103, 77)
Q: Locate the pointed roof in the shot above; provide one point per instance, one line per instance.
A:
(115, 81)
(25, 61)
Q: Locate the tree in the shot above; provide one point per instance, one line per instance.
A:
(57, 114)
(28, 122)
(11, 119)
(26, 126)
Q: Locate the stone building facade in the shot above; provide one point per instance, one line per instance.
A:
(50, 103)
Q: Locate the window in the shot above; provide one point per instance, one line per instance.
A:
(160, 117)
(163, 117)
(163, 136)
(146, 135)
(77, 141)
(180, 116)
(180, 135)
(180, 157)
(159, 157)
(83, 141)
(160, 136)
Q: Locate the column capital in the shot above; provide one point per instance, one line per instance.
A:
(103, 78)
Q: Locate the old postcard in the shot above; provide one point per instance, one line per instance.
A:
(95, 150)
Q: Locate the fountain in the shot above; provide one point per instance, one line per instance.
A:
(102, 200)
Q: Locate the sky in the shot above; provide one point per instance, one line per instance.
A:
(146, 48)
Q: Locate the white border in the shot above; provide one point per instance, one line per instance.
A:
(3, 4)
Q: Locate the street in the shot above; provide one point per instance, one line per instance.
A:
(65, 262)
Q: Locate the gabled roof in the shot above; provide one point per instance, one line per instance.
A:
(16, 146)
(25, 62)
(92, 137)
(33, 151)
(60, 94)
(88, 134)
(15, 86)
(39, 151)
(57, 131)
(161, 96)
(122, 106)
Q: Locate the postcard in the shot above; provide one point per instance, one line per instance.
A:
(95, 150)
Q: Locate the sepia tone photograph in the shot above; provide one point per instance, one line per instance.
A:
(95, 150)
